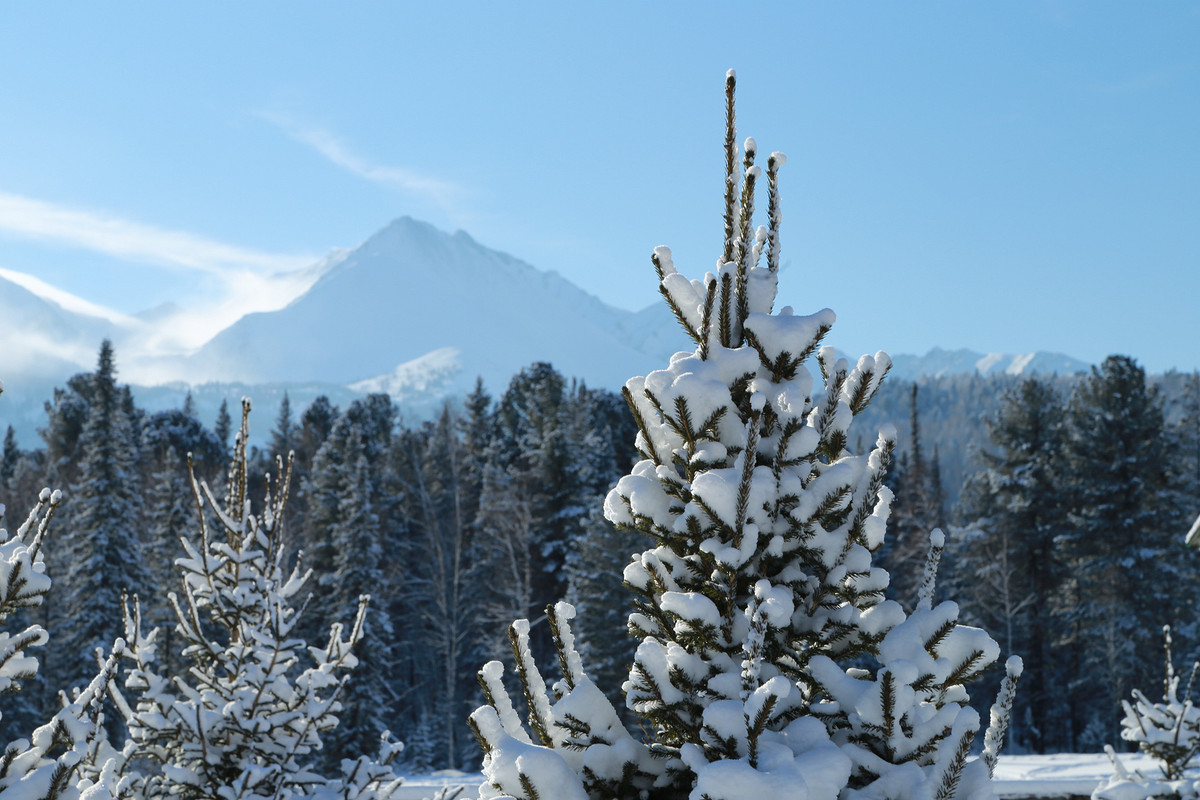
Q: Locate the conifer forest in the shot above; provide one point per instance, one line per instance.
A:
(760, 571)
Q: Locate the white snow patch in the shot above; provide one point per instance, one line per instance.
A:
(422, 375)
(989, 362)
(1019, 363)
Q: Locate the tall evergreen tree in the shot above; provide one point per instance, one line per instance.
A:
(527, 515)
(9, 457)
(475, 428)
(103, 539)
(315, 425)
(224, 426)
(171, 512)
(283, 442)
(283, 436)
(1124, 569)
(179, 430)
(444, 590)
(349, 528)
(1006, 567)
(365, 427)
(66, 415)
(369, 703)
(916, 512)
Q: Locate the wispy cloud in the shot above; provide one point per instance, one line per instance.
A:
(238, 280)
(444, 193)
(183, 330)
(37, 219)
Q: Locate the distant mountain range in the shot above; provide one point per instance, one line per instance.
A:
(412, 311)
(938, 362)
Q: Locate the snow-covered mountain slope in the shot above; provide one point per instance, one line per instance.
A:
(938, 362)
(46, 333)
(392, 311)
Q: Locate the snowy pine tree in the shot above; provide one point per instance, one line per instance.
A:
(9, 457)
(224, 426)
(527, 495)
(1168, 730)
(917, 510)
(1125, 568)
(770, 664)
(102, 541)
(1007, 567)
(246, 719)
(359, 569)
(442, 592)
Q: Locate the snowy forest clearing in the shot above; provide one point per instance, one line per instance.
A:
(1061, 775)
(1044, 777)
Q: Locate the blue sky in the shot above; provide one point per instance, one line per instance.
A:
(1004, 177)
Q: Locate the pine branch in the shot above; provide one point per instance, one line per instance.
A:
(730, 166)
(710, 298)
(774, 218)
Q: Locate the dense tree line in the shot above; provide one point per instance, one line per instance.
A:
(1065, 536)
(1070, 543)
(454, 526)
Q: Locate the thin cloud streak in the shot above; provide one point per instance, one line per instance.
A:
(247, 281)
(337, 152)
(65, 299)
(37, 219)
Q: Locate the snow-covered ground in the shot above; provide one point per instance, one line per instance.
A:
(1053, 776)
(419, 787)
(1062, 774)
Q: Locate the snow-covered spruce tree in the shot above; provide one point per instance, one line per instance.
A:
(915, 481)
(245, 719)
(1126, 573)
(102, 538)
(47, 765)
(770, 666)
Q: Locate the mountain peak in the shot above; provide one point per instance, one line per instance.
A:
(412, 290)
(405, 227)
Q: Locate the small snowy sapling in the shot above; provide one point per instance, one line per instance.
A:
(246, 717)
(1169, 730)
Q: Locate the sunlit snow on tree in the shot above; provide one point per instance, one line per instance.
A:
(770, 664)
